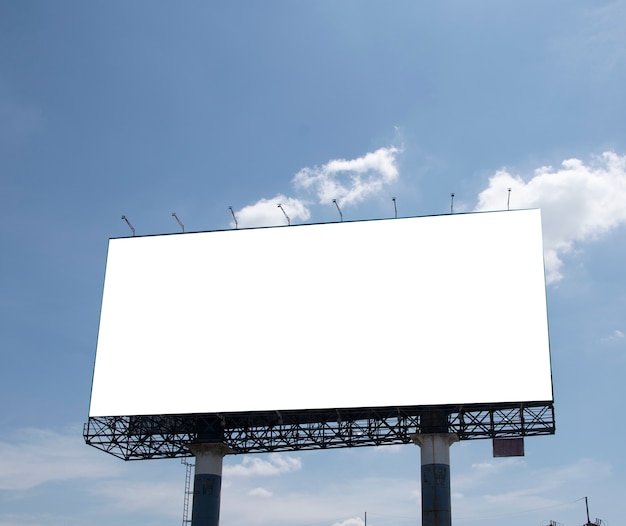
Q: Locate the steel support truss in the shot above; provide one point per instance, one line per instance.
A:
(167, 436)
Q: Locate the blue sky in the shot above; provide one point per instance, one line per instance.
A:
(146, 108)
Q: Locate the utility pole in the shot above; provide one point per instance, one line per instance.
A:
(597, 522)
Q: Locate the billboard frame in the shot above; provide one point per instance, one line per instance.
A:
(134, 361)
(170, 435)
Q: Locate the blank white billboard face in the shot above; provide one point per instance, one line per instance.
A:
(416, 311)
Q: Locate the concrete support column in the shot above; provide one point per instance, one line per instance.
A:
(435, 456)
(207, 483)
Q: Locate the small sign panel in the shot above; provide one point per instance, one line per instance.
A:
(399, 312)
(508, 447)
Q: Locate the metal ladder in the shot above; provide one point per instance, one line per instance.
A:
(188, 490)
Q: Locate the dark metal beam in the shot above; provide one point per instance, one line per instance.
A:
(167, 436)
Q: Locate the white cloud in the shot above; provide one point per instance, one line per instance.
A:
(265, 212)
(350, 181)
(356, 521)
(519, 489)
(37, 519)
(31, 457)
(326, 501)
(579, 202)
(260, 492)
(485, 471)
(164, 499)
(275, 464)
(616, 335)
(599, 50)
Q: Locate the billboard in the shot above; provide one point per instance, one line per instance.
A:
(397, 312)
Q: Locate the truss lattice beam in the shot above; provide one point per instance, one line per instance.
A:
(167, 436)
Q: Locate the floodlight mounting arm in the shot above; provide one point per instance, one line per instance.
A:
(178, 221)
(288, 220)
(338, 209)
(129, 225)
(234, 218)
